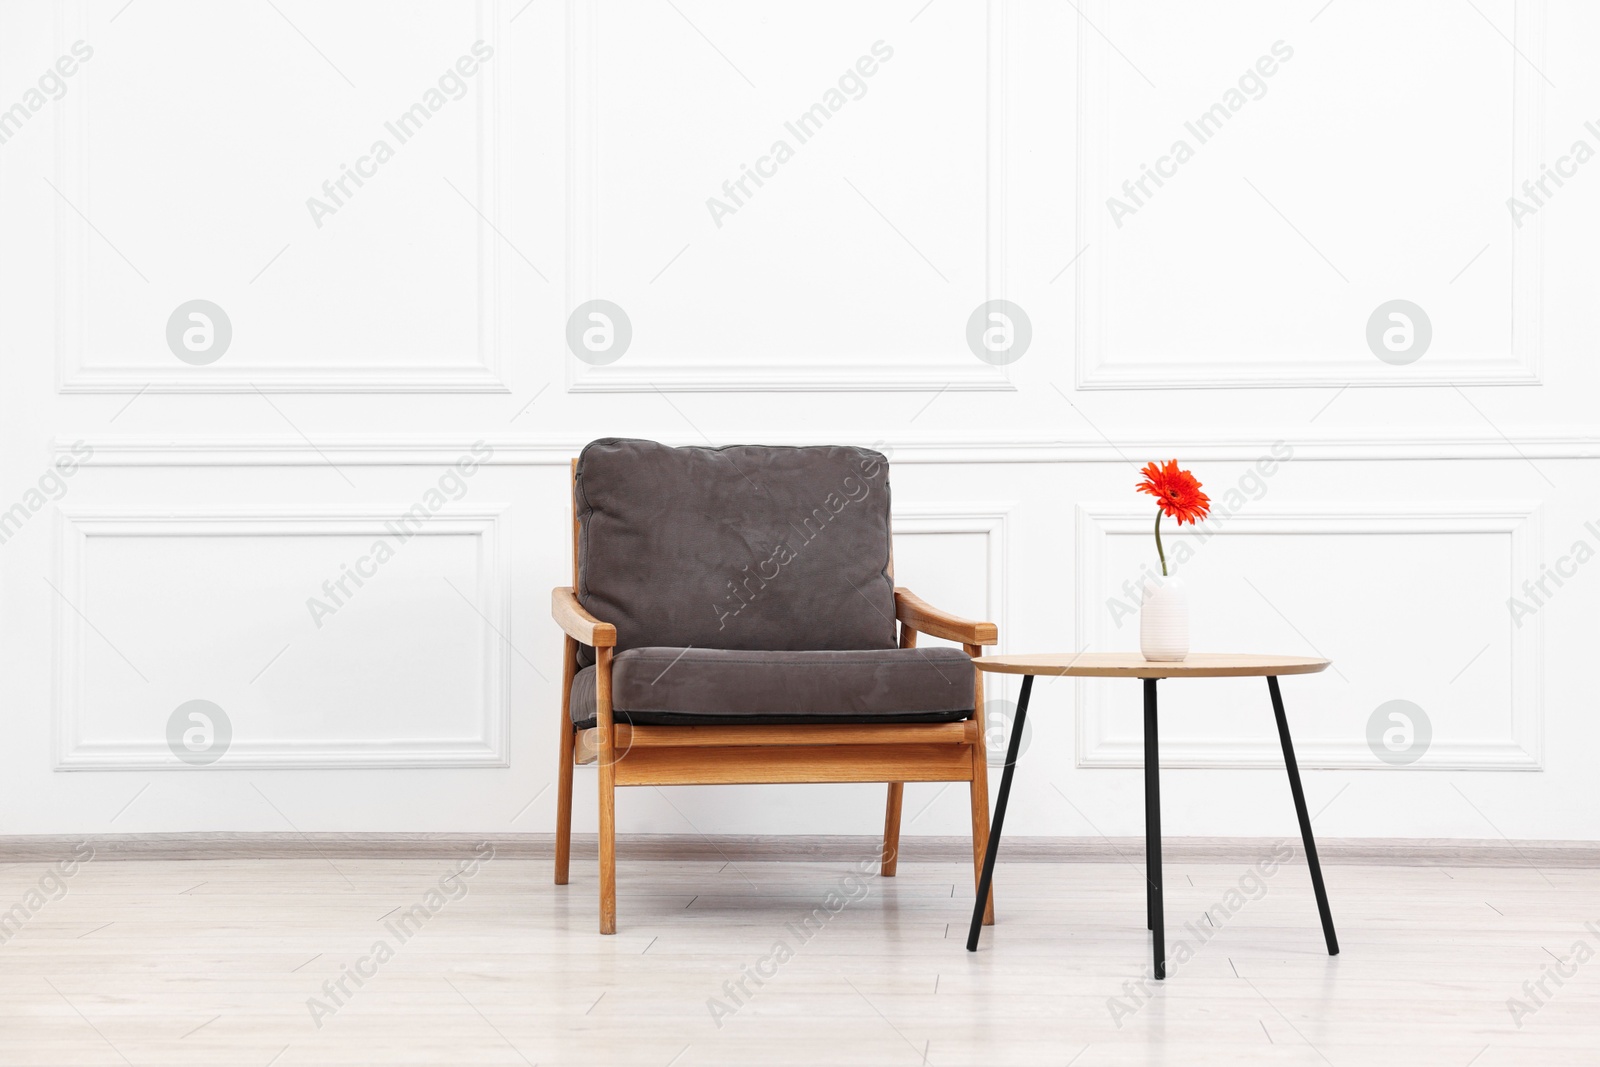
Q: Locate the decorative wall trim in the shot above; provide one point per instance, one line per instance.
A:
(75, 527)
(557, 449)
(658, 374)
(1521, 749)
(1097, 370)
(217, 379)
(73, 241)
(993, 521)
(799, 848)
(661, 376)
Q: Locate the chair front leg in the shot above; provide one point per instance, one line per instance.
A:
(980, 789)
(608, 793)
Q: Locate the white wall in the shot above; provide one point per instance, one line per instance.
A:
(427, 313)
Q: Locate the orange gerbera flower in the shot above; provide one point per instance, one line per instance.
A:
(1177, 492)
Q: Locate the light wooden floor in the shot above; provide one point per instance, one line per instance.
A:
(170, 962)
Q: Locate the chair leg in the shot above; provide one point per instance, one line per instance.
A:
(564, 802)
(980, 825)
(608, 794)
(564, 746)
(891, 829)
(980, 791)
(608, 847)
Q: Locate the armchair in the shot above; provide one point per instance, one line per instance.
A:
(733, 619)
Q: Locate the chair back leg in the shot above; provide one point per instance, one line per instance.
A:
(891, 829)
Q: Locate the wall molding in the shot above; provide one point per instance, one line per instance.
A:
(73, 242)
(1094, 370)
(75, 527)
(660, 376)
(556, 449)
(288, 379)
(1520, 750)
(657, 374)
(993, 521)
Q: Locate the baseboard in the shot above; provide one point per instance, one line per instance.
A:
(1406, 852)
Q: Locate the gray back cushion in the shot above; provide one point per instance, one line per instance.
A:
(751, 547)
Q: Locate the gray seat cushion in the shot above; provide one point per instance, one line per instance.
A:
(754, 547)
(710, 687)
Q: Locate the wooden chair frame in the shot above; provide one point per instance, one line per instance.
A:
(740, 755)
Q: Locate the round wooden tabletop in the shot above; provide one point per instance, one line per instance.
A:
(1133, 665)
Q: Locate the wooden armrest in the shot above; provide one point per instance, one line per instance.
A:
(578, 623)
(927, 619)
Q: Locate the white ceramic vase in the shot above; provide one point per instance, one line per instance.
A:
(1164, 621)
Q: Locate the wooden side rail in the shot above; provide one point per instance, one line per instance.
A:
(751, 764)
(627, 738)
(917, 614)
(578, 623)
(955, 733)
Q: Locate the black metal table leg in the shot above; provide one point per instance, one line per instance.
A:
(1305, 820)
(1152, 831)
(1149, 886)
(987, 878)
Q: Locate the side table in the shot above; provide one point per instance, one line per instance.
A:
(1133, 665)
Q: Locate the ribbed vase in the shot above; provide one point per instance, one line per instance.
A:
(1164, 621)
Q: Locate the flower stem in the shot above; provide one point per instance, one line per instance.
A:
(1159, 552)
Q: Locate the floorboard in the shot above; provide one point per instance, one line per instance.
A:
(223, 962)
